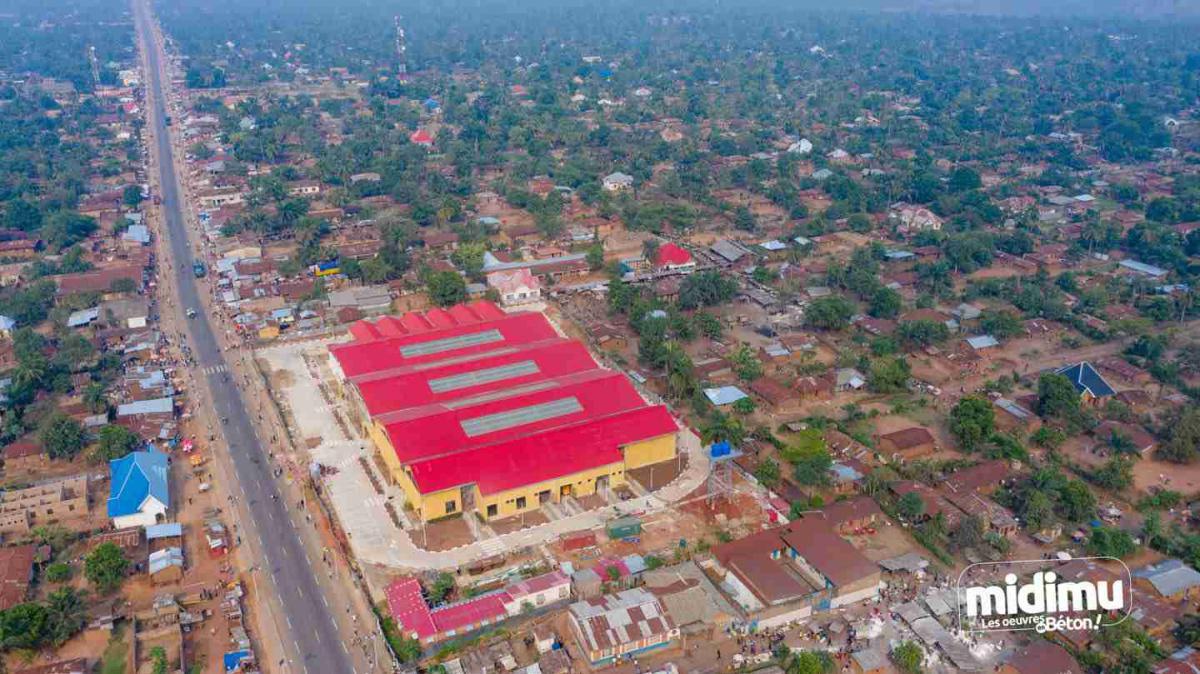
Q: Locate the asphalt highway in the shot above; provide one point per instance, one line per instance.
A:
(306, 621)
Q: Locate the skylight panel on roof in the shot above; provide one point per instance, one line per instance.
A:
(451, 343)
(500, 421)
(484, 376)
(492, 396)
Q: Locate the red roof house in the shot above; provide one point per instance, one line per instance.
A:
(673, 256)
(421, 137)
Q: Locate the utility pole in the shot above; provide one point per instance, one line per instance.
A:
(95, 64)
(401, 52)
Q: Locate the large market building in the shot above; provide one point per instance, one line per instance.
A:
(476, 410)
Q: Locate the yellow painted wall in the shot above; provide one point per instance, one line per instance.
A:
(384, 446)
(582, 484)
(433, 505)
(650, 451)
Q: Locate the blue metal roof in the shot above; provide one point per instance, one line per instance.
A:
(724, 395)
(1169, 577)
(166, 530)
(1087, 379)
(1143, 268)
(83, 317)
(165, 559)
(154, 406)
(233, 660)
(136, 477)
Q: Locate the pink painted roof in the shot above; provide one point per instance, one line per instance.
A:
(407, 605)
(468, 614)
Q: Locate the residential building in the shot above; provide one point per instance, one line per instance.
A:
(621, 625)
(1092, 386)
(909, 218)
(368, 300)
(140, 494)
(908, 444)
(24, 456)
(671, 256)
(165, 565)
(617, 182)
(515, 287)
(1171, 580)
(62, 501)
(16, 573)
(787, 573)
(428, 625)
(1039, 657)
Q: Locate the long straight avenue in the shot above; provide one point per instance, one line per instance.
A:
(308, 633)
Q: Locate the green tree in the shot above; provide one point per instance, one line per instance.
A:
(829, 313)
(1048, 437)
(443, 586)
(131, 196)
(810, 465)
(922, 332)
(469, 258)
(1057, 397)
(705, 289)
(158, 656)
(721, 427)
(66, 614)
(885, 303)
(1038, 510)
(909, 658)
(1002, 325)
(1110, 542)
(1116, 473)
(595, 256)
(746, 363)
(446, 288)
(888, 375)
(767, 472)
(968, 533)
(105, 567)
(1183, 438)
(115, 442)
(58, 572)
(62, 436)
(710, 326)
(744, 220)
(808, 662)
(24, 626)
(910, 506)
(1076, 502)
(972, 421)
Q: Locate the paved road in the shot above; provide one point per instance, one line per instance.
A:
(310, 629)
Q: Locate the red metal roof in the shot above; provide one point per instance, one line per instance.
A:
(421, 137)
(671, 254)
(407, 605)
(383, 353)
(469, 614)
(409, 386)
(430, 430)
(416, 322)
(543, 456)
